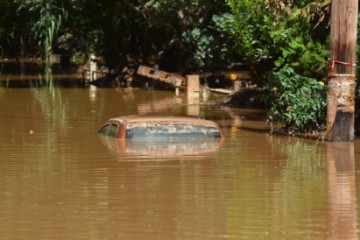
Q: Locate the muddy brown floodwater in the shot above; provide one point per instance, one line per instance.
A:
(59, 180)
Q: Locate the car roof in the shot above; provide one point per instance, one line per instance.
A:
(139, 120)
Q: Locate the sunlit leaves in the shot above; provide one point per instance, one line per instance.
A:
(297, 102)
(280, 31)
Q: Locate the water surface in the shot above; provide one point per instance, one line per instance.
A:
(59, 180)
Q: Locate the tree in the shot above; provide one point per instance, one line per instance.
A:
(276, 33)
(177, 35)
(47, 19)
(173, 34)
(13, 30)
(287, 39)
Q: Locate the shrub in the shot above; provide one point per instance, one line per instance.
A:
(297, 103)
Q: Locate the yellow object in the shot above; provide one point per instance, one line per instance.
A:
(233, 77)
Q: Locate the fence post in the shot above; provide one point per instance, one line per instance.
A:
(93, 67)
(193, 94)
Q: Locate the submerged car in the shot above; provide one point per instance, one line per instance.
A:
(154, 127)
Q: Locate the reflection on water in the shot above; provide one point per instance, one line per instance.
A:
(342, 190)
(58, 180)
(162, 149)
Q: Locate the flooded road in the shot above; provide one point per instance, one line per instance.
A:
(59, 180)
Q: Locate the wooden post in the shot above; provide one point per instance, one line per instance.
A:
(342, 72)
(193, 95)
(193, 86)
(93, 68)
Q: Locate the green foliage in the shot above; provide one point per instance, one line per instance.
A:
(49, 17)
(186, 29)
(79, 58)
(297, 102)
(308, 57)
(176, 35)
(279, 33)
(291, 36)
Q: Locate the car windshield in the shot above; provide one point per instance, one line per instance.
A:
(171, 130)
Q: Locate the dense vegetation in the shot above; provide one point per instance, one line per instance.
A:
(284, 39)
(286, 42)
(177, 35)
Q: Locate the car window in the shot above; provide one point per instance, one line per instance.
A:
(112, 130)
(104, 129)
(172, 130)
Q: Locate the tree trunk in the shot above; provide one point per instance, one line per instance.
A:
(342, 72)
(22, 56)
